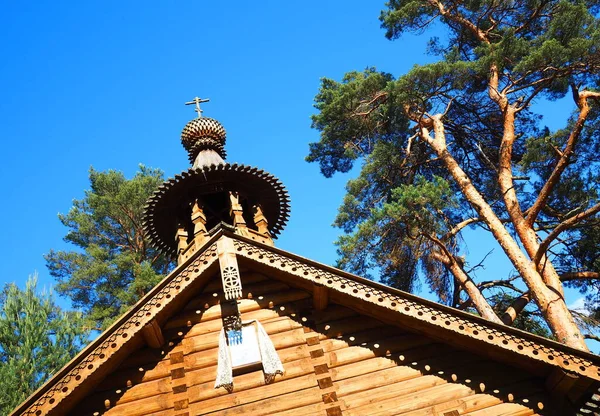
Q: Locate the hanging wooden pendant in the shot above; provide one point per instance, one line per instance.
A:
(230, 275)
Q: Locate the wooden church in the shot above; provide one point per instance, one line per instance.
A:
(241, 327)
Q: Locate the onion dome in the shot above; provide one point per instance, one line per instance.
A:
(203, 134)
(211, 192)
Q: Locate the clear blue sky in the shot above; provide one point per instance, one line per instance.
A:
(103, 84)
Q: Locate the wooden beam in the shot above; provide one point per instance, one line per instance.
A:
(320, 297)
(559, 382)
(153, 334)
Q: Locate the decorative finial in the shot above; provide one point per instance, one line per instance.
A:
(198, 101)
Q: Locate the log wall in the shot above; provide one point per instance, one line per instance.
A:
(336, 362)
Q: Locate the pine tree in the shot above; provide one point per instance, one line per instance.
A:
(457, 143)
(113, 266)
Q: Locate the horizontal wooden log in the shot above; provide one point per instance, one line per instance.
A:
(334, 329)
(244, 305)
(211, 340)
(374, 380)
(462, 405)
(308, 410)
(404, 381)
(250, 291)
(389, 347)
(141, 407)
(448, 337)
(504, 409)
(259, 394)
(357, 368)
(119, 396)
(418, 400)
(269, 406)
(244, 382)
(196, 361)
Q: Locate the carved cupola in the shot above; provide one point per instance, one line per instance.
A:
(181, 212)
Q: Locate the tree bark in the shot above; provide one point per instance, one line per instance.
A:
(551, 303)
(479, 301)
(519, 303)
(516, 308)
(523, 226)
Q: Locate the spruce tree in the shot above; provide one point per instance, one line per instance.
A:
(37, 338)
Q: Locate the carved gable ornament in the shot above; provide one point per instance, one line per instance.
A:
(242, 345)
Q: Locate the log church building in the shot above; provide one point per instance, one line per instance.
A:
(241, 327)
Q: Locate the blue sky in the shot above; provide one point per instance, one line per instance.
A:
(103, 84)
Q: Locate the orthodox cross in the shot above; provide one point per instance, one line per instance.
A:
(198, 101)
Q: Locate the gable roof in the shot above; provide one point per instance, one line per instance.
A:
(536, 354)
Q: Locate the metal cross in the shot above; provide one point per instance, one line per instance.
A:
(198, 101)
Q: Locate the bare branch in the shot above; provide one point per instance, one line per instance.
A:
(458, 228)
(565, 225)
(365, 103)
(568, 276)
(480, 303)
(516, 308)
(457, 18)
(592, 337)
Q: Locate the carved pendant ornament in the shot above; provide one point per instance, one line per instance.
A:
(241, 344)
(232, 285)
(230, 275)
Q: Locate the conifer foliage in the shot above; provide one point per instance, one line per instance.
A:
(37, 338)
(459, 143)
(113, 265)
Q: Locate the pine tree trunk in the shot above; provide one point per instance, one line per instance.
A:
(550, 302)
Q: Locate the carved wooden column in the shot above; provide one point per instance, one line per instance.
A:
(236, 213)
(260, 221)
(199, 221)
(262, 226)
(181, 239)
